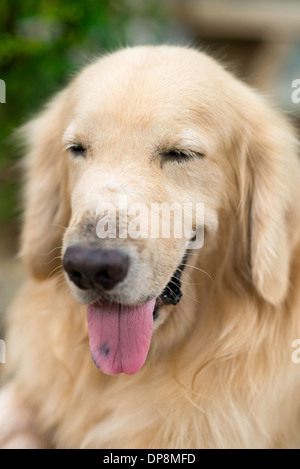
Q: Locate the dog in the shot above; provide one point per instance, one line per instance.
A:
(142, 341)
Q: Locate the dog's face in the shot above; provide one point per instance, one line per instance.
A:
(151, 126)
(132, 137)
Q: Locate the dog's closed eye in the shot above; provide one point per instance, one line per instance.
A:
(77, 149)
(179, 156)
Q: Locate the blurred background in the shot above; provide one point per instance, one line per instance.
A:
(42, 44)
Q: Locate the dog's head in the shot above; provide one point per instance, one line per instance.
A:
(138, 132)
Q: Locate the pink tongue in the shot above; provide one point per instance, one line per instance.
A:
(120, 335)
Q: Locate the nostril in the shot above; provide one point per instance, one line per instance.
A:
(111, 268)
(103, 275)
(76, 277)
(75, 274)
(109, 276)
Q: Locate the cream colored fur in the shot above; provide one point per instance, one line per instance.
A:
(219, 372)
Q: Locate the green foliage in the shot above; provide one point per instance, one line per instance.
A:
(43, 42)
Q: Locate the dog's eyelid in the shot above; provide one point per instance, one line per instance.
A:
(76, 148)
(71, 145)
(189, 153)
(181, 154)
(72, 142)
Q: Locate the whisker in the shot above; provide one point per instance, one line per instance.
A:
(59, 226)
(48, 253)
(188, 283)
(52, 271)
(201, 270)
(61, 283)
(185, 296)
(52, 260)
(184, 273)
(58, 276)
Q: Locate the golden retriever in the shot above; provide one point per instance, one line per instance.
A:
(212, 369)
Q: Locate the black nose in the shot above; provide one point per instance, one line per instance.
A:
(89, 268)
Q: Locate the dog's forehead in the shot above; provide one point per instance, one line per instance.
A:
(147, 80)
(152, 93)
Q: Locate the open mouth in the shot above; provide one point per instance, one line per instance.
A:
(172, 292)
(120, 335)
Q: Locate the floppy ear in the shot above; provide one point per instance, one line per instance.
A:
(272, 194)
(46, 190)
